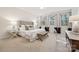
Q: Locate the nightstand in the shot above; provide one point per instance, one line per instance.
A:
(13, 34)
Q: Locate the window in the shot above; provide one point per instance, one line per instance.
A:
(65, 19)
(51, 20)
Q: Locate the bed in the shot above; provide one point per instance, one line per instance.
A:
(31, 34)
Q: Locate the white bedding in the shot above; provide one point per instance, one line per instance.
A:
(31, 34)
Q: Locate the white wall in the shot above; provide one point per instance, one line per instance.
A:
(3, 26)
(75, 11)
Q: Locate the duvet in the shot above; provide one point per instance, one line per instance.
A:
(30, 34)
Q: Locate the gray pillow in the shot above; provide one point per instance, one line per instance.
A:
(26, 28)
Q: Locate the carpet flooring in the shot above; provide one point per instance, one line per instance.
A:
(52, 43)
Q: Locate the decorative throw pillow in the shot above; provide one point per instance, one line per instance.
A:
(26, 28)
(22, 27)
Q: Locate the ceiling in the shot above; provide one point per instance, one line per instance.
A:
(27, 13)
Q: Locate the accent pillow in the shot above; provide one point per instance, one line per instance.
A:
(22, 27)
(26, 28)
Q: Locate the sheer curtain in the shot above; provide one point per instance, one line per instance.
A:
(52, 21)
(65, 20)
(59, 19)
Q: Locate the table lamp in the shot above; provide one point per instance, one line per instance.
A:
(75, 23)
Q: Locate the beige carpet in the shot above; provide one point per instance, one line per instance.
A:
(20, 44)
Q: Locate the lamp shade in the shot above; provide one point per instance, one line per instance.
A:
(75, 23)
(74, 18)
(75, 27)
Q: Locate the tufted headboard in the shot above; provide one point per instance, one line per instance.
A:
(27, 24)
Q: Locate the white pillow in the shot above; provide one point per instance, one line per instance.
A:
(22, 27)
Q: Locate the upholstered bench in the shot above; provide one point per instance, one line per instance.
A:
(42, 35)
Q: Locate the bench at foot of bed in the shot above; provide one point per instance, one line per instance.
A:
(42, 35)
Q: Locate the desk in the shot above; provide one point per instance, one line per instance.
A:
(73, 39)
